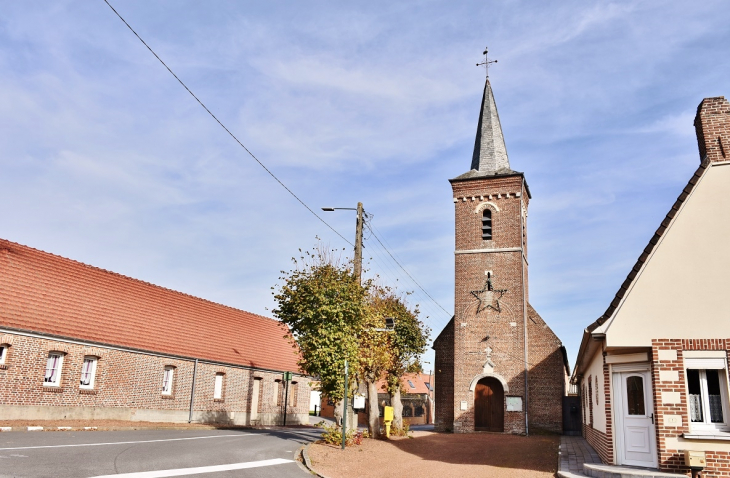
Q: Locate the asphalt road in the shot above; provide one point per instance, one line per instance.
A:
(154, 453)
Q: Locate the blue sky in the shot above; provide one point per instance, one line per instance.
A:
(107, 160)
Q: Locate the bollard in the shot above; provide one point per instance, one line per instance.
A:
(387, 419)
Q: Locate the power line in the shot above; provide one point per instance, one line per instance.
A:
(408, 273)
(226, 129)
(281, 183)
(427, 299)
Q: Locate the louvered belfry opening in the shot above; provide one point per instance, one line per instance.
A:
(487, 224)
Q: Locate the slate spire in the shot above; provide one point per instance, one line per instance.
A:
(490, 152)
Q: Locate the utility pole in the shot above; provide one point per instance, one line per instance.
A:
(344, 408)
(358, 243)
(358, 274)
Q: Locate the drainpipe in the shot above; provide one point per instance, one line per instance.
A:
(524, 301)
(192, 391)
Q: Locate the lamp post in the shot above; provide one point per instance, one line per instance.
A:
(357, 265)
(357, 262)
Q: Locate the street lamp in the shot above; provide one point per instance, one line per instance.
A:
(357, 262)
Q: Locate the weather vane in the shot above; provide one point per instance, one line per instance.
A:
(486, 61)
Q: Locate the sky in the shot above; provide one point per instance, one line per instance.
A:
(107, 160)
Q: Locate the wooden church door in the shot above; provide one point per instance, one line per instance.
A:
(489, 405)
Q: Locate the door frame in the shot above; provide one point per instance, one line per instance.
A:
(617, 411)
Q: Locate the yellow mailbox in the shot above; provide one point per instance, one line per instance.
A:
(388, 419)
(694, 459)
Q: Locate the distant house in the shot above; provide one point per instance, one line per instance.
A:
(652, 371)
(78, 342)
(416, 397)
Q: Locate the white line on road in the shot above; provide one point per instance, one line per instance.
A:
(199, 469)
(124, 442)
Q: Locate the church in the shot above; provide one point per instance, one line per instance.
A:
(499, 367)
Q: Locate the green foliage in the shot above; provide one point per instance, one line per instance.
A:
(323, 304)
(400, 431)
(332, 435)
(408, 341)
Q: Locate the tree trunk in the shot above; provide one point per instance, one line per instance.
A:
(397, 408)
(338, 412)
(373, 411)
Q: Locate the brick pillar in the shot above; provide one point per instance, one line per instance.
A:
(712, 124)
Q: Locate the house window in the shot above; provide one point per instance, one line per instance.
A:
(218, 386)
(3, 353)
(167, 377)
(708, 402)
(88, 372)
(487, 224)
(419, 411)
(53, 370)
(411, 384)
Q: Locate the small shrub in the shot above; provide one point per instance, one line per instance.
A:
(400, 432)
(332, 435)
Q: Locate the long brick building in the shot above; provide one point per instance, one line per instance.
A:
(499, 367)
(78, 342)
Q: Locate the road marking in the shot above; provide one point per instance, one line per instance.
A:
(199, 469)
(124, 442)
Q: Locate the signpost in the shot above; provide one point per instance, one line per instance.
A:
(287, 379)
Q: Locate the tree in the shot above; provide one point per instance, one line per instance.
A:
(408, 342)
(323, 304)
(375, 350)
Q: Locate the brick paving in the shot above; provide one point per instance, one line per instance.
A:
(574, 451)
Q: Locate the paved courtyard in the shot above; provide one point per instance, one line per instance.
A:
(430, 454)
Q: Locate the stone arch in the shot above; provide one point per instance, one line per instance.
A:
(483, 205)
(473, 384)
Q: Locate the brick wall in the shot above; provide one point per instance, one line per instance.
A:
(671, 458)
(602, 442)
(712, 124)
(128, 385)
(444, 379)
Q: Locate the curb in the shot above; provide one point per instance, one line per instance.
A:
(308, 463)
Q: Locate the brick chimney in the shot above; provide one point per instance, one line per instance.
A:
(712, 124)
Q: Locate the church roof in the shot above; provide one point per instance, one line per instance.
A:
(490, 152)
(50, 295)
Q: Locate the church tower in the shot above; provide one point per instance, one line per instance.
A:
(499, 367)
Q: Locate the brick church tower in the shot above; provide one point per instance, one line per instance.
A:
(498, 366)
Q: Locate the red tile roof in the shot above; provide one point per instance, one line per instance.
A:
(48, 294)
(419, 381)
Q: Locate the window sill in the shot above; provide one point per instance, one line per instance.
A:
(3, 366)
(87, 391)
(168, 397)
(708, 435)
(52, 389)
(218, 400)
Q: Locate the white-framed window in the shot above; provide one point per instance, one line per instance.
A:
(88, 372)
(53, 370)
(3, 353)
(218, 386)
(168, 376)
(707, 394)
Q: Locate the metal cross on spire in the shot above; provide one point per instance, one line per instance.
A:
(486, 61)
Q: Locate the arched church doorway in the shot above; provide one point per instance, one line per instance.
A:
(489, 405)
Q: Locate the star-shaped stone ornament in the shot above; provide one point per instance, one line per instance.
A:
(488, 299)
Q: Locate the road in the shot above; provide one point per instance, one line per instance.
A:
(154, 453)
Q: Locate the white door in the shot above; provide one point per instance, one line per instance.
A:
(637, 440)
